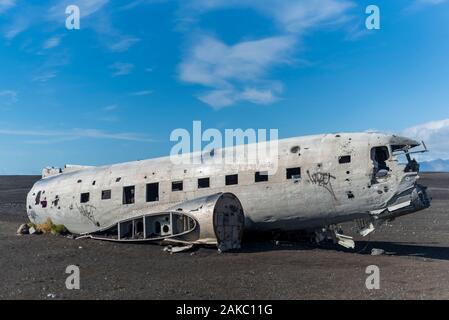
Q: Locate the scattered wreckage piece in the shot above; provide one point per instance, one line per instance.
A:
(217, 220)
(335, 234)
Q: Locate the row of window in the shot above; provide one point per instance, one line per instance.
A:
(152, 189)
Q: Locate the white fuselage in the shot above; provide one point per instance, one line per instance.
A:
(328, 190)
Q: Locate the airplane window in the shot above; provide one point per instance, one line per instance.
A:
(38, 198)
(105, 194)
(203, 183)
(344, 159)
(232, 179)
(129, 195)
(294, 173)
(85, 197)
(153, 192)
(261, 176)
(177, 186)
(380, 155)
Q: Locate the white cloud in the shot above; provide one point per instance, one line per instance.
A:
(45, 76)
(8, 97)
(121, 69)
(123, 44)
(16, 27)
(238, 72)
(420, 4)
(229, 69)
(6, 5)
(227, 97)
(429, 2)
(291, 15)
(111, 107)
(52, 42)
(75, 134)
(87, 8)
(141, 93)
(219, 98)
(436, 136)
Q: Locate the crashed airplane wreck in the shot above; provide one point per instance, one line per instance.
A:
(320, 182)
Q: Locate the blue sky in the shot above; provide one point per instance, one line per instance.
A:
(114, 90)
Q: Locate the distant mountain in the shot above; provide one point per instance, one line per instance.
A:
(438, 165)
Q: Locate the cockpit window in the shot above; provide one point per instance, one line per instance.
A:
(401, 154)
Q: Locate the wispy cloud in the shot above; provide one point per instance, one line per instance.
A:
(8, 97)
(110, 108)
(15, 27)
(121, 68)
(141, 93)
(6, 5)
(44, 76)
(239, 72)
(123, 44)
(75, 134)
(420, 4)
(291, 15)
(87, 7)
(52, 42)
(51, 67)
(235, 72)
(436, 136)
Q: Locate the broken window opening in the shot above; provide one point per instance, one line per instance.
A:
(232, 179)
(293, 173)
(153, 192)
(38, 197)
(106, 194)
(261, 176)
(177, 186)
(344, 159)
(85, 197)
(379, 156)
(129, 195)
(203, 183)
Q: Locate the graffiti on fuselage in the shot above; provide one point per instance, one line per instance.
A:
(87, 211)
(322, 179)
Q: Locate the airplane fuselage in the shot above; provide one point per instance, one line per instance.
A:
(320, 180)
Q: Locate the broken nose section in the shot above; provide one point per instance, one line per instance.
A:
(409, 201)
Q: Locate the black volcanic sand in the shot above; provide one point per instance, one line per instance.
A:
(415, 267)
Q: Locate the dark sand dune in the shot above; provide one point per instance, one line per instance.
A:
(415, 267)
